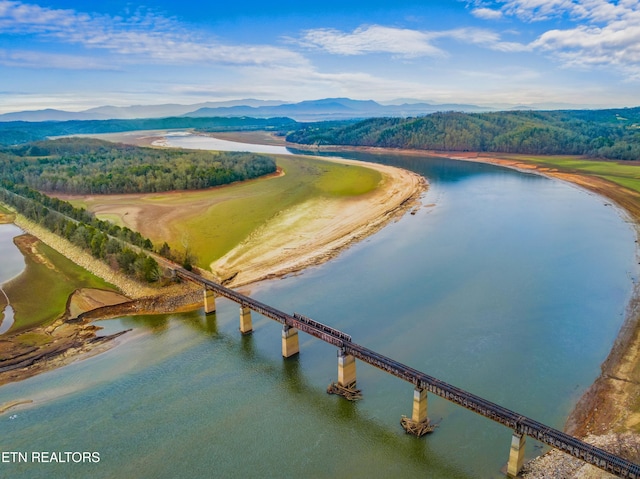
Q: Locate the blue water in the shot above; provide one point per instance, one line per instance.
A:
(509, 285)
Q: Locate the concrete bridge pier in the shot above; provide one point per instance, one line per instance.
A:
(209, 301)
(516, 454)
(419, 405)
(346, 369)
(290, 344)
(419, 423)
(246, 326)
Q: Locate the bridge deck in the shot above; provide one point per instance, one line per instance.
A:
(519, 423)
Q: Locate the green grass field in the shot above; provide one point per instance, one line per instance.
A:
(39, 295)
(226, 224)
(212, 222)
(621, 173)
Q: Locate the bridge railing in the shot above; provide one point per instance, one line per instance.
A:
(517, 422)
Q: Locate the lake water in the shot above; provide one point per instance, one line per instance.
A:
(11, 265)
(197, 142)
(509, 285)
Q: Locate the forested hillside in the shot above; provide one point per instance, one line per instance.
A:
(19, 132)
(89, 166)
(613, 134)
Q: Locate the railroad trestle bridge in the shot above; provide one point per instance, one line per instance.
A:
(348, 352)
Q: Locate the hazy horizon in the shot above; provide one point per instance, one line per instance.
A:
(66, 55)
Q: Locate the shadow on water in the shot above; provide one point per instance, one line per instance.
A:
(160, 323)
(340, 411)
(201, 322)
(156, 323)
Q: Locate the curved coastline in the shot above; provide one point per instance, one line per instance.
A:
(398, 192)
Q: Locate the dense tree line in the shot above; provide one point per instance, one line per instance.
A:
(613, 134)
(19, 132)
(103, 240)
(90, 166)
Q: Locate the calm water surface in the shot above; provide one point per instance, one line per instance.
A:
(11, 265)
(197, 142)
(509, 285)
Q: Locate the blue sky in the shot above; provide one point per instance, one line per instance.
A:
(75, 55)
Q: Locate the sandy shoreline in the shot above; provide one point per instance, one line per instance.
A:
(329, 227)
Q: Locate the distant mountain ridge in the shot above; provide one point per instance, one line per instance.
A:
(308, 110)
(333, 109)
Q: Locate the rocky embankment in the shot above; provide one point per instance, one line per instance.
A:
(72, 338)
(182, 298)
(42, 349)
(558, 465)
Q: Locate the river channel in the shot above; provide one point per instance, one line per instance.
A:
(509, 285)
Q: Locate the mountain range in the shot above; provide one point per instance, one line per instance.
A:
(310, 110)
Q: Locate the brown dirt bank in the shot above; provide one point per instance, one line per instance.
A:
(73, 337)
(6, 218)
(67, 339)
(27, 353)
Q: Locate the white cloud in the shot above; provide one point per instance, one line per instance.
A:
(536, 10)
(33, 59)
(486, 13)
(145, 36)
(304, 83)
(372, 39)
(482, 37)
(598, 33)
(615, 46)
(592, 10)
(401, 41)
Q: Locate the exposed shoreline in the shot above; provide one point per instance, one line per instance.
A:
(354, 220)
(605, 405)
(331, 226)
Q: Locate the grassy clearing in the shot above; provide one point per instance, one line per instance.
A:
(621, 173)
(39, 295)
(212, 222)
(34, 339)
(224, 225)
